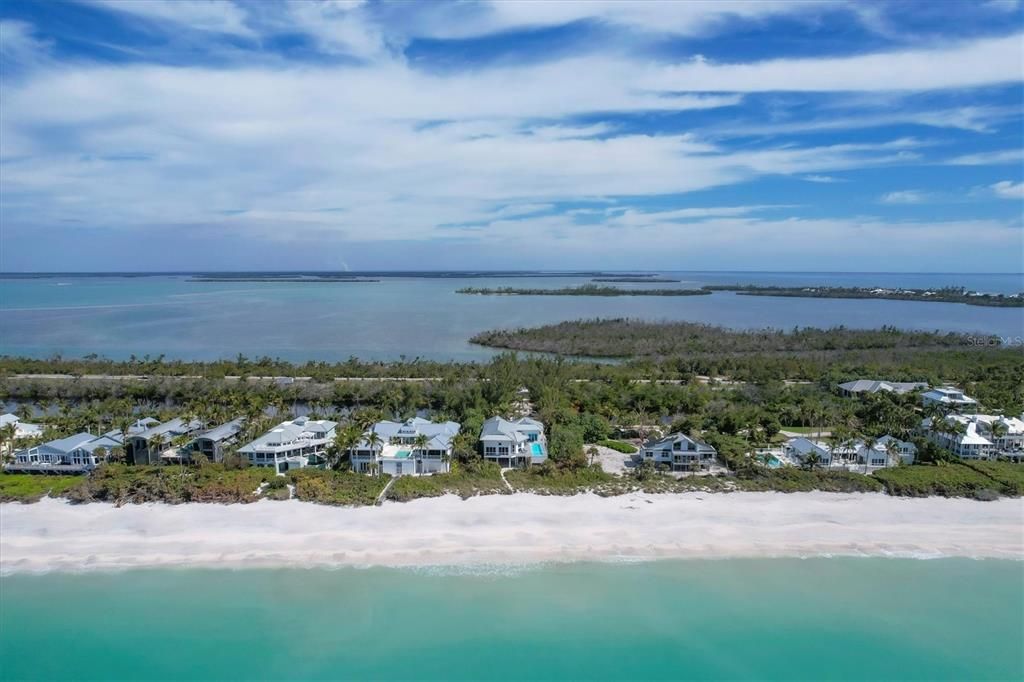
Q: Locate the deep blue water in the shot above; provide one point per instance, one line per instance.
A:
(423, 317)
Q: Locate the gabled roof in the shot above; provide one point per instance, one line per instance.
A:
(873, 386)
(497, 428)
(440, 435)
(290, 431)
(173, 427)
(224, 431)
(672, 438)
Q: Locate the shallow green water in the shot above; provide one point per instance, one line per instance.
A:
(737, 619)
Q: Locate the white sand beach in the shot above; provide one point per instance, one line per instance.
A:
(517, 529)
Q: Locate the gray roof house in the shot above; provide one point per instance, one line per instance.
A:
(138, 448)
(514, 443)
(211, 442)
(874, 386)
(679, 452)
(293, 444)
(75, 454)
(21, 429)
(397, 454)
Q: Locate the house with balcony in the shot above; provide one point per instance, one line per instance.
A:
(679, 453)
(797, 450)
(147, 446)
(960, 434)
(415, 447)
(77, 454)
(293, 444)
(211, 443)
(516, 443)
(949, 398)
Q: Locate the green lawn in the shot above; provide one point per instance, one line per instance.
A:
(32, 487)
(807, 430)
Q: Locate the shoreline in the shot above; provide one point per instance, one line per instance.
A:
(519, 529)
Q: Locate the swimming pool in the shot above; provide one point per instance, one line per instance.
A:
(402, 454)
(537, 449)
(773, 462)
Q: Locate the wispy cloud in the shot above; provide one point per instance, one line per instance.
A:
(906, 196)
(1007, 189)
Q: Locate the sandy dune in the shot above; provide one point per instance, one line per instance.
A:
(53, 535)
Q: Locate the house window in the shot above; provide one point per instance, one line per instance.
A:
(398, 468)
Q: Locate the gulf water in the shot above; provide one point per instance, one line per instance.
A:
(424, 317)
(773, 619)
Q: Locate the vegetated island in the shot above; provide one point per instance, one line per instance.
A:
(289, 280)
(623, 337)
(939, 295)
(582, 290)
(637, 280)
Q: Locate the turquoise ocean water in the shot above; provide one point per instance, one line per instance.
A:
(777, 619)
(424, 317)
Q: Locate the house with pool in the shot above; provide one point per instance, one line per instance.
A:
(415, 447)
(517, 443)
(679, 453)
(293, 444)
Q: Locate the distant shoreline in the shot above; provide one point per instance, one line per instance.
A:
(501, 529)
(583, 290)
(936, 295)
(287, 280)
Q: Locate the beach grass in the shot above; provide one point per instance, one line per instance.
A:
(32, 488)
(945, 479)
(336, 487)
(618, 446)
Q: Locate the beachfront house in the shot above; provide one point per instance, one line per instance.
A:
(797, 451)
(894, 447)
(861, 386)
(75, 454)
(977, 436)
(516, 443)
(950, 398)
(411, 448)
(211, 443)
(293, 444)
(21, 429)
(678, 453)
(147, 446)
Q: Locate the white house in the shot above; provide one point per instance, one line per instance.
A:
(949, 397)
(905, 450)
(141, 447)
(412, 448)
(293, 444)
(21, 429)
(71, 455)
(679, 452)
(874, 386)
(515, 443)
(978, 436)
(853, 455)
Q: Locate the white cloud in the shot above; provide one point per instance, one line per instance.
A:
(998, 158)
(201, 15)
(906, 196)
(823, 179)
(19, 44)
(1008, 189)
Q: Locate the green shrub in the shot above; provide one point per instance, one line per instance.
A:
(618, 446)
(948, 480)
(31, 487)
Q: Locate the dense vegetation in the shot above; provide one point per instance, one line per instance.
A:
(618, 446)
(466, 479)
(632, 338)
(582, 290)
(123, 484)
(636, 280)
(940, 295)
(950, 479)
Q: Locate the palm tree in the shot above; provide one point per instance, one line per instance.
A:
(892, 449)
(155, 442)
(420, 443)
(373, 441)
(811, 460)
(7, 435)
(344, 441)
(997, 430)
(869, 447)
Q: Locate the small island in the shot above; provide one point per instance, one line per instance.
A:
(938, 295)
(582, 290)
(288, 280)
(637, 280)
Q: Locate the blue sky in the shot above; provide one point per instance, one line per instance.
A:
(771, 135)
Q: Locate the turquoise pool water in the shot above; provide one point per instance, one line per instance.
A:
(774, 462)
(537, 449)
(402, 454)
